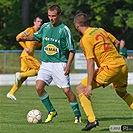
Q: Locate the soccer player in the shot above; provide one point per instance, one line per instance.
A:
(57, 54)
(123, 49)
(29, 64)
(99, 46)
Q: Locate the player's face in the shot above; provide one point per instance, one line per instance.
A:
(122, 43)
(38, 23)
(54, 18)
(77, 26)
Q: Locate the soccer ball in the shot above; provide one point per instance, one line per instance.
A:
(34, 116)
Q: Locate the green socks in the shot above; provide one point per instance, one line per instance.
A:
(75, 108)
(46, 101)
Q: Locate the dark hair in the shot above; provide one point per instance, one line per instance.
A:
(36, 18)
(55, 7)
(81, 19)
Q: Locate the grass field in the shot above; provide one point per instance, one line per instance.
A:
(108, 107)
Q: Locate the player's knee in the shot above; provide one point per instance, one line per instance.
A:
(40, 88)
(40, 91)
(67, 91)
(77, 89)
(80, 88)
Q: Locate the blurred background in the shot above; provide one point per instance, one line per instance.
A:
(115, 16)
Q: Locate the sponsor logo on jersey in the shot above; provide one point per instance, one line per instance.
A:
(51, 39)
(51, 49)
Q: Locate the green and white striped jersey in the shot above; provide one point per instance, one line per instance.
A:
(57, 42)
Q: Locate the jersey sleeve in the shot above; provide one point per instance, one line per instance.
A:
(22, 44)
(112, 38)
(87, 48)
(69, 39)
(38, 34)
(24, 33)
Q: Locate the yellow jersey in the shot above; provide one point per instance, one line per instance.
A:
(98, 44)
(32, 45)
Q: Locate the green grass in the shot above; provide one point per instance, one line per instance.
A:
(108, 107)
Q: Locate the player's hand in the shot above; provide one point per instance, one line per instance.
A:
(20, 38)
(27, 50)
(67, 70)
(87, 91)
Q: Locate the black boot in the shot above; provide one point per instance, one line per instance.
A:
(90, 125)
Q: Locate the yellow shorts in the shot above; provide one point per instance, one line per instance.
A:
(106, 75)
(29, 62)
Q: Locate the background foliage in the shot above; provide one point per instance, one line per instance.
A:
(115, 16)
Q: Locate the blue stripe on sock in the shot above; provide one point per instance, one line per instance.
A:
(44, 96)
(73, 103)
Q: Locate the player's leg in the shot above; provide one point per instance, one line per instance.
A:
(101, 78)
(63, 81)
(43, 79)
(18, 81)
(87, 106)
(14, 89)
(120, 86)
(127, 97)
(74, 104)
(18, 77)
(32, 64)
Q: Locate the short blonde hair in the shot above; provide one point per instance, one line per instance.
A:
(81, 19)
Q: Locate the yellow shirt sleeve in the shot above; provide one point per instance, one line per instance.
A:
(87, 47)
(28, 44)
(112, 38)
(25, 33)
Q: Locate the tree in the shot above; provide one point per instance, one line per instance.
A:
(9, 23)
(115, 16)
(25, 12)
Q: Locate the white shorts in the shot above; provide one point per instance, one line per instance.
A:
(53, 71)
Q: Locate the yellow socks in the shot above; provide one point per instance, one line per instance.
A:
(129, 100)
(14, 89)
(86, 104)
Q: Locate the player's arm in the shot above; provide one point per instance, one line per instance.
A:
(88, 50)
(69, 62)
(70, 45)
(25, 35)
(26, 38)
(114, 41)
(25, 47)
(21, 43)
(90, 72)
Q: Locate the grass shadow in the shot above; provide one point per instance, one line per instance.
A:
(115, 118)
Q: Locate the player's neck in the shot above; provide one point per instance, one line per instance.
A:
(83, 29)
(36, 28)
(56, 24)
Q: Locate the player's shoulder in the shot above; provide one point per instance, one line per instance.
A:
(64, 27)
(47, 24)
(29, 29)
(102, 29)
